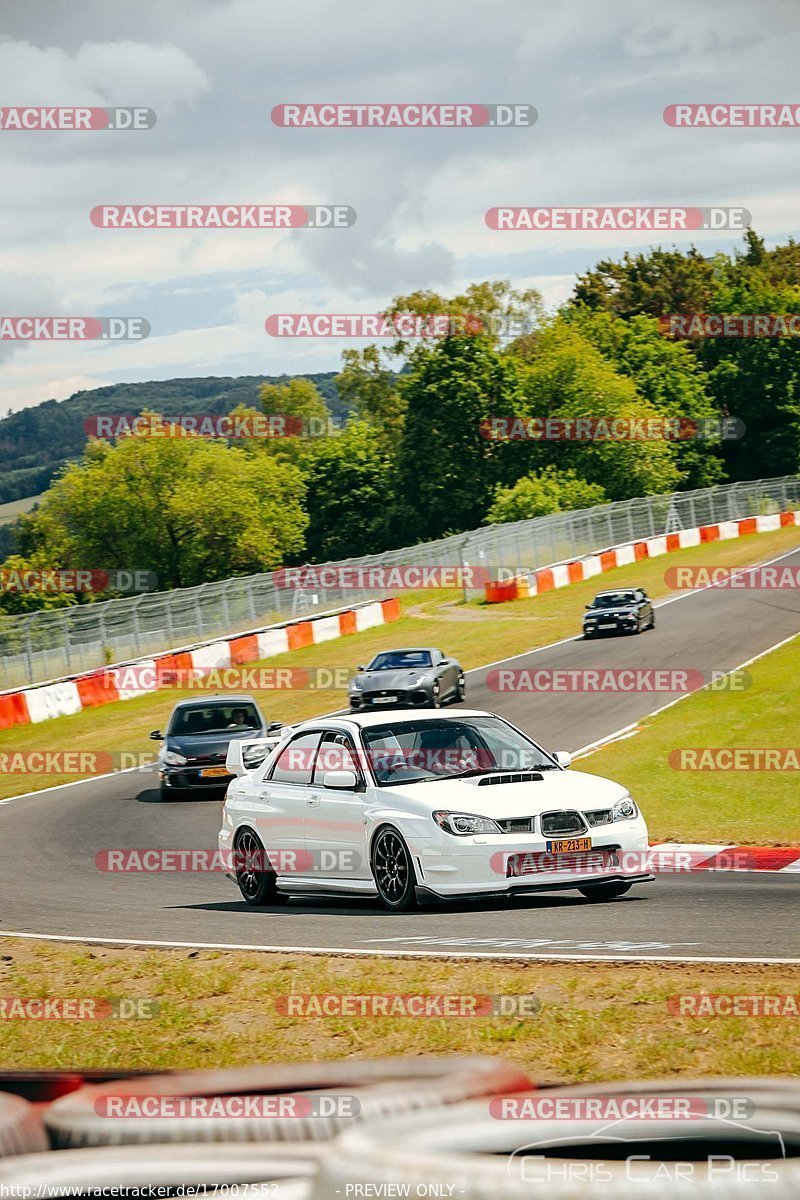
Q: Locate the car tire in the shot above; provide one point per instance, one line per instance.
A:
(258, 888)
(604, 891)
(461, 688)
(436, 696)
(393, 871)
(652, 624)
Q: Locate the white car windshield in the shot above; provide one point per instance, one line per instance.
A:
(452, 747)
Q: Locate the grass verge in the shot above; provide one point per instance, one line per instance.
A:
(218, 1008)
(473, 632)
(752, 807)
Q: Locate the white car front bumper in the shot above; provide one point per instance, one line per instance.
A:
(510, 864)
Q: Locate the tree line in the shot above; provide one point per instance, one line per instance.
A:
(405, 458)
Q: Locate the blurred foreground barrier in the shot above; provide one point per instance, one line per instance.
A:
(281, 1103)
(674, 1137)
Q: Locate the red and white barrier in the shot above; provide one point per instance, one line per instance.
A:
(68, 696)
(576, 571)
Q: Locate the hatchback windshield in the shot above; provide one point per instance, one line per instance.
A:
(214, 718)
(613, 599)
(414, 751)
(400, 660)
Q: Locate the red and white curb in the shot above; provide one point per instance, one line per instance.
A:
(562, 574)
(715, 857)
(125, 681)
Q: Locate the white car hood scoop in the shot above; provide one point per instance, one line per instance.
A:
(508, 777)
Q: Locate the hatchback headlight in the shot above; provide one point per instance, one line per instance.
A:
(173, 759)
(464, 824)
(624, 810)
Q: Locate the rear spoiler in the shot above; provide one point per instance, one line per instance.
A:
(246, 754)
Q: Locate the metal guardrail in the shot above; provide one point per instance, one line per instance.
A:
(50, 644)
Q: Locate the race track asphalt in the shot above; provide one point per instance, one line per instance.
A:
(51, 885)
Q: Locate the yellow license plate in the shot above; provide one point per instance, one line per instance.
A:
(566, 844)
(213, 772)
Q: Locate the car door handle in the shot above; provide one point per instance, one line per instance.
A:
(312, 801)
(263, 795)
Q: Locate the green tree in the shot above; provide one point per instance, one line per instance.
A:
(185, 508)
(667, 375)
(564, 376)
(297, 398)
(349, 492)
(549, 491)
(447, 471)
(370, 390)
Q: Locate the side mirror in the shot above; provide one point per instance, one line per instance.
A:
(157, 735)
(361, 667)
(563, 758)
(343, 781)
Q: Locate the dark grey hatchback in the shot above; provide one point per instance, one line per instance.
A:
(625, 610)
(197, 739)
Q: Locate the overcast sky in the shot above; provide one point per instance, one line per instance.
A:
(599, 75)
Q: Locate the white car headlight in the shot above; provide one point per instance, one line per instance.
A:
(356, 685)
(464, 824)
(624, 810)
(420, 680)
(173, 759)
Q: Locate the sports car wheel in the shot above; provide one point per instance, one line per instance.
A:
(461, 687)
(605, 891)
(393, 872)
(436, 697)
(257, 882)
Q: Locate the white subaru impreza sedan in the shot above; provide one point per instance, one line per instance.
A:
(414, 805)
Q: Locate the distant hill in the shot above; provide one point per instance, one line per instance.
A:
(36, 441)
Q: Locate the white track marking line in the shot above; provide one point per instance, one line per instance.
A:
(350, 953)
(471, 671)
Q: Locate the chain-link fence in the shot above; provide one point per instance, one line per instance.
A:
(67, 641)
